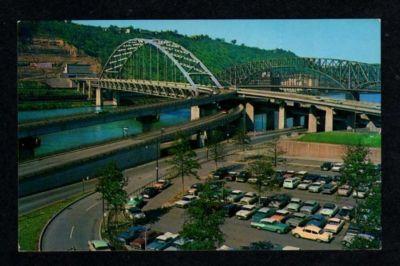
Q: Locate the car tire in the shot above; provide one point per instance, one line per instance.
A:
(279, 231)
(259, 228)
(296, 235)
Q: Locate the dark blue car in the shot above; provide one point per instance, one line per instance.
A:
(317, 220)
(132, 233)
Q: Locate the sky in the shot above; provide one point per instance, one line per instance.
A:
(350, 39)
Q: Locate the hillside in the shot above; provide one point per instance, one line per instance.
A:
(99, 42)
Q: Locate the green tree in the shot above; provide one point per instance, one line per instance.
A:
(184, 161)
(111, 183)
(264, 173)
(205, 216)
(241, 137)
(274, 152)
(215, 146)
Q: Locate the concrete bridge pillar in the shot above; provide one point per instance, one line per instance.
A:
(328, 119)
(312, 120)
(99, 99)
(281, 117)
(78, 86)
(194, 112)
(116, 98)
(250, 116)
(201, 139)
(89, 90)
(83, 88)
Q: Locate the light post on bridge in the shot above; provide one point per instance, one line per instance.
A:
(158, 153)
(83, 183)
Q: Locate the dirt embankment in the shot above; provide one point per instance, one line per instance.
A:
(46, 58)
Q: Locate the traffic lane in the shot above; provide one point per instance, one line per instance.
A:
(70, 228)
(32, 202)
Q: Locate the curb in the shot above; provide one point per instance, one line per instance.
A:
(39, 246)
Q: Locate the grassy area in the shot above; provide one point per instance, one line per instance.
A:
(30, 225)
(344, 138)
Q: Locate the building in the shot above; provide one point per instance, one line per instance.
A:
(77, 70)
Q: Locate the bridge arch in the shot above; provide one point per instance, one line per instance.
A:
(187, 63)
(340, 73)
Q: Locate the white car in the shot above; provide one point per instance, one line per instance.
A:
(337, 167)
(360, 192)
(334, 225)
(235, 196)
(315, 187)
(246, 212)
(304, 184)
(291, 183)
(329, 209)
(251, 194)
(185, 201)
(135, 213)
(252, 180)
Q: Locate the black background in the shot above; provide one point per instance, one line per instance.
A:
(387, 11)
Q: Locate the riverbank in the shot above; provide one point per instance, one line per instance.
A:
(344, 138)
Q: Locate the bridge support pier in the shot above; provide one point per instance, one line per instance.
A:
(356, 95)
(194, 112)
(89, 90)
(115, 98)
(281, 117)
(201, 139)
(250, 116)
(99, 99)
(78, 86)
(312, 120)
(83, 88)
(328, 119)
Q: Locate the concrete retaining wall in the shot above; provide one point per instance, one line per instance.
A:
(321, 150)
(124, 159)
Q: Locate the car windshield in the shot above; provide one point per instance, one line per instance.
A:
(334, 222)
(187, 198)
(247, 208)
(329, 206)
(309, 204)
(135, 210)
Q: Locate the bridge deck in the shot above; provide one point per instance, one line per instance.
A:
(50, 163)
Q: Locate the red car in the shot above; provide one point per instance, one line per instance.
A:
(139, 242)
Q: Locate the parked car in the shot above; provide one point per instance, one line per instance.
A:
(316, 220)
(288, 174)
(218, 174)
(195, 188)
(131, 233)
(324, 179)
(346, 213)
(99, 245)
(296, 219)
(309, 207)
(243, 176)
(361, 192)
(344, 190)
(301, 174)
(336, 179)
(225, 248)
(137, 201)
(231, 209)
(162, 242)
(231, 176)
(251, 194)
(334, 225)
(311, 177)
(329, 188)
(337, 167)
(246, 212)
(270, 224)
(185, 201)
(162, 184)
(135, 213)
(315, 187)
(279, 201)
(313, 233)
(326, 166)
(264, 201)
(304, 185)
(177, 244)
(144, 239)
(252, 180)
(329, 209)
(353, 231)
(291, 183)
(247, 200)
(280, 215)
(262, 213)
(294, 205)
(235, 196)
(149, 192)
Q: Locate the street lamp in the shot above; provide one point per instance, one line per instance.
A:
(83, 183)
(158, 153)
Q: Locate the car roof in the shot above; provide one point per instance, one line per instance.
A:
(167, 235)
(329, 204)
(236, 191)
(335, 219)
(311, 201)
(312, 227)
(282, 211)
(249, 206)
(269, 220)
(264, 209)
(99, 243)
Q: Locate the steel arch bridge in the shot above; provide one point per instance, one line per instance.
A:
(194, 77)
(306, 72)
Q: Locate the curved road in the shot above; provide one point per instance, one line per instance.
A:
(81, 221)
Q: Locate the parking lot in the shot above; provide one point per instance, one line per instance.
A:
(239, 233)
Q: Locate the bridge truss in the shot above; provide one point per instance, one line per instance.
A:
(158, 60)
(306, 72)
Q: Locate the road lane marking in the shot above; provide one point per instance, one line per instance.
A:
(91, 206)
(72, 230)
